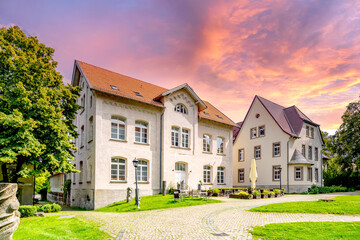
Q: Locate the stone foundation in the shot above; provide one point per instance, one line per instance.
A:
(56, 197)
(83, 198)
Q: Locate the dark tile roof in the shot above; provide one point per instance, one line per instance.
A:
(236, 130)
(299, 159)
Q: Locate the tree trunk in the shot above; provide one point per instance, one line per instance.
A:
(4, 173)
(20, 162)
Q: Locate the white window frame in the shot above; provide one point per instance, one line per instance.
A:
(175, 132)
(276, 173)
(118, 163)
(262, 131)
(143, 166)
(221, 175)
(180, 108)
(298, 170)
(142, 133)
(207, 174)
(206, 143)
(185, 134)
(220, 145)
(257, 152)
(120, 125)
(241, 156)
(253, 133)
(179, 166)
(276, 149)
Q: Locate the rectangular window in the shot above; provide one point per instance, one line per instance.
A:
(220, 175)
(316, 174)
(261, 131)
(257, 152)
(142, 171)
(316, 154)
(241, 175)
(312, 132)
(253, 133)
(298, 174)
(310, 153)
(276, 149)
(81, 172)
(175, 136)
(241, 155)
(307, 131)
(91, 129)
(309, 174)
(276, 173)
(88, 172)
(220, 145)
(206, 143)
(207, 174)
(82, 140)
(185, 138)
(141, 132)
(118, 169)
(118, 128)
(303, 150)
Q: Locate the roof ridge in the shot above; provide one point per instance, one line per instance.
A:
(132, 78)
(269, 101)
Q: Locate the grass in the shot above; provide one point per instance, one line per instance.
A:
(308, 230)
(342, 205)
(51, 227)
(155, 202)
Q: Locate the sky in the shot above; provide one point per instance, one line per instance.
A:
(303, 53)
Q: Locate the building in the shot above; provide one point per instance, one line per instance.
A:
(176, 136)
(285, 143)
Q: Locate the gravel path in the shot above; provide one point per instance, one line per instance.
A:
(227, 220)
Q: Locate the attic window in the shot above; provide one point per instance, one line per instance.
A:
(114, 87)
(219, 116)
(205, 113)
(138, 94)
(257, 115)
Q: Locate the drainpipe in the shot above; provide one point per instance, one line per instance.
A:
(161, 141)
(287, 167)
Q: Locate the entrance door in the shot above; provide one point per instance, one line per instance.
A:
(180, 174)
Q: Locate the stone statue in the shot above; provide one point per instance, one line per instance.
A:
(129, 194)
(9, 214)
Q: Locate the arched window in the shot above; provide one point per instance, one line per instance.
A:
(180, 108)
(118, 128)
(180, 167)
(118, 169)
(142, 171)
(206, 143)
(141, 132)
(207, 174)
(220, 175)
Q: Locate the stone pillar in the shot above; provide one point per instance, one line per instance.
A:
(9, 205)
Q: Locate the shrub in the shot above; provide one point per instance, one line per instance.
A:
(265, 192)
(55, 207)
(277, 191)
(49, 208)
(315, 189)
(256, 192)
(216, 191)
(242, 193)
(27, 211)
(272, 193)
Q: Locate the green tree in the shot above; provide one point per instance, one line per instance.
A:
(344, 146)
(36, 109)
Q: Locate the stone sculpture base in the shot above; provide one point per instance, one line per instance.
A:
(9, 214)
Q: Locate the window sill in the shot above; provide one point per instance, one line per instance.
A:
(299, 180)
(88, 181)
(207, 152)
(90, 140)
(221, 154)
(180, 148)
(221, 184)
(142, 182)
(80, 182)
(276, 156)
(81, 147)
(207, 184)
(257, 158)
(276, 180)
(145, 144)
(241, 181)
(114, 181)
(117, 140)
(241, 161)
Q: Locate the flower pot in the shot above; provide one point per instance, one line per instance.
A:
(9, 205)
(256, 196)
(264, 196)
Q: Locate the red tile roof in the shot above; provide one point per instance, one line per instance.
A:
(120, 85)
(236, 130)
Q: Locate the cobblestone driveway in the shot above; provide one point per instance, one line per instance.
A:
(227, 220)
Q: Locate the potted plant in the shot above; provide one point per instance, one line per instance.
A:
(256, 194)
(209, 192)
(215, 192)
(277, 192)
(271, 194)
(249, 190)
(264, 194)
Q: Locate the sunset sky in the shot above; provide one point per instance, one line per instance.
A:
(304, 53)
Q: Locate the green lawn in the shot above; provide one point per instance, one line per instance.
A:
(51, 227)
(155, 202)
(342, 205)
(308, 230)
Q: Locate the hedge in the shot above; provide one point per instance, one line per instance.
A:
(315, 189)
(28, 211)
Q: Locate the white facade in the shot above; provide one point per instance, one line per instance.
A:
(99, 152)
(268, 156)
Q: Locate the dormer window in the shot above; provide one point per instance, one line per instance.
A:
(180, 108)
(138, 94)
(114, 87)
(219, 116)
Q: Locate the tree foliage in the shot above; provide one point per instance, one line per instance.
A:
(36, 109)
(344, 146)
